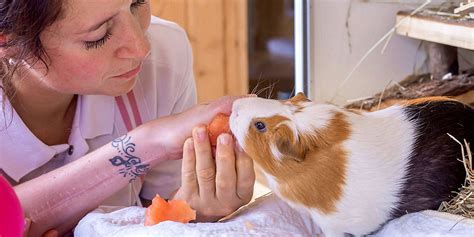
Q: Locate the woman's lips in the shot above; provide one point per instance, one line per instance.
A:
(131, 73)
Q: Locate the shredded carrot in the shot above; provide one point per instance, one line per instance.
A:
(219, 125)
(174, 210)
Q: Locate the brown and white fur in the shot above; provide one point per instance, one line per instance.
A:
(354, 171)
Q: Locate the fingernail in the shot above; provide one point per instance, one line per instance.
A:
(52, 233)
(191, 144)
(252, 95)
(201, 133)
(224, 139)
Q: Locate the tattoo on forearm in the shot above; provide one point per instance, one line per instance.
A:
(132, 165)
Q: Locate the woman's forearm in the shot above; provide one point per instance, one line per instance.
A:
(58, 199)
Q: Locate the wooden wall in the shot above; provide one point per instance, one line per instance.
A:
(217, 30)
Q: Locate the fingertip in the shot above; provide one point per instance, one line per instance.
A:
(189, 158)
(199, 127)
(189, 144)
(201, 133)
(225, 147)
(224, 139)
(51, 233)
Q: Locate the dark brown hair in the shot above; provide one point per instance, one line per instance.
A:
(22, 22)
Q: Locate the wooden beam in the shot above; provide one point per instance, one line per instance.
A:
(236, 47)
(205, 27)
(443, 30)
(172, 10)
(217, 30)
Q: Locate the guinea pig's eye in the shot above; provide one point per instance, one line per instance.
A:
(260, 126)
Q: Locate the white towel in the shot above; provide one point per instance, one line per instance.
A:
(429, 223)
(267, 216)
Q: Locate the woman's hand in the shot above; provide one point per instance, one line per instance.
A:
(215, 188)
(169, 133)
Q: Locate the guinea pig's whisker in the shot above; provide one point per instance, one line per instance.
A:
(258, 84)
(255, 88)
(272, 86)
(263, 90)
(259, 91)
(270, 91)
(269, 88)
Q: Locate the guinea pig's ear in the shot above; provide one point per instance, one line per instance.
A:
(300, 97)
(288, 146)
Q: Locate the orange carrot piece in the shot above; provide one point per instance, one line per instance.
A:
(218, 125)
(174, 210)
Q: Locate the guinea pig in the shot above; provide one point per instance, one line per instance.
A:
(354, 171)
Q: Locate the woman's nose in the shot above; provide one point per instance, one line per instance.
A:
(136, 45)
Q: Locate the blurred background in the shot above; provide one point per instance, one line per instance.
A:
(239, 43)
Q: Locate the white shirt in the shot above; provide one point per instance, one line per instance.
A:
(165, 86)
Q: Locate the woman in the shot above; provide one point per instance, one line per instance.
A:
(83, 83)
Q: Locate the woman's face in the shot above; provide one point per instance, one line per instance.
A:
(97, 47)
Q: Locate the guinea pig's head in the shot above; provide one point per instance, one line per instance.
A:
(278, 134)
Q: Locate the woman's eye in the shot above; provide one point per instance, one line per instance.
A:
(137, 3)
(98, 43)
(260, 126)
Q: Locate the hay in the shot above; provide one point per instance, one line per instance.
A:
(463, 203)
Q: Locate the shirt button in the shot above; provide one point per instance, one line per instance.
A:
(70, 150)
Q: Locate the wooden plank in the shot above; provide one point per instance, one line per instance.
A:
(172, 10)
(217, 30)
(435, 29)
(236, 46)
(205, 27)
